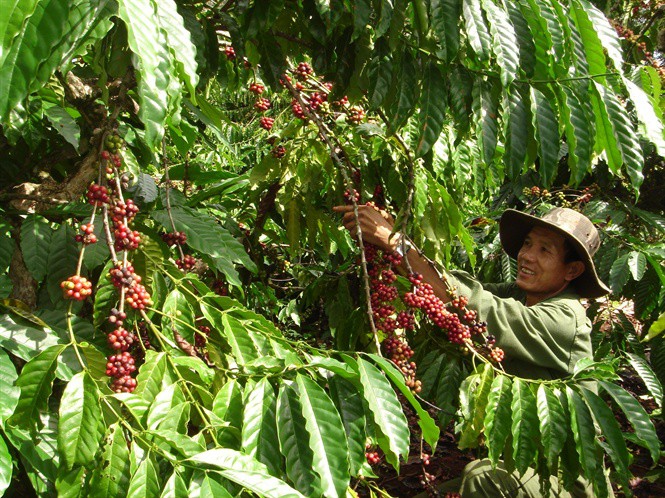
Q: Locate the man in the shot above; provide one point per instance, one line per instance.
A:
(538, 320)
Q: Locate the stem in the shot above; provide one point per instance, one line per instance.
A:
(325, 134)
(188, 393)
(72, 338)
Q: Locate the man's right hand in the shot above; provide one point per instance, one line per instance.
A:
(376, 226)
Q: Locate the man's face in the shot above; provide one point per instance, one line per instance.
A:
(541, 270)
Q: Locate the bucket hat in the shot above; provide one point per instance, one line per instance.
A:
(515, 225)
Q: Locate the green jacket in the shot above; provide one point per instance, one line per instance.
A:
(543, 341)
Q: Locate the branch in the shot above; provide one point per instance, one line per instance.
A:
(325, 134)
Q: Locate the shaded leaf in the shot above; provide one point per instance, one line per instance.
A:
(553, 424)
(476, 29)
(498, 416)
(35, 243)
(524, 425)
(9, 393)
(641, 366)
(349, 404)
(433, 104)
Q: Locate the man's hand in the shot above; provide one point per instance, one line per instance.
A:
(376, 226)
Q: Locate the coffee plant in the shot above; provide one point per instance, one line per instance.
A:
(183, 314)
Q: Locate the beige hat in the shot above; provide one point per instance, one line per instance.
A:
(515, 225)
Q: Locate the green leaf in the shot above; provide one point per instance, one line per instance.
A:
(547, 136)
(184, 445)
(444, 19)
(553, 424)
(80, 418)
(48, 38)
(474, 415)
(327, 438)
(175, 487)
(9, 393)
(612, 435)
(641, 366)
(447, 390)
(62, 260)
(583, 433)
(459, 96)
(619, 274)
(524, 425)
(149, 381)
(497, 417)
(656, 329)
(433, 104)
(13, 21)
(178, 315)
(486, 109)
(517, 131)
(36, 382)
(406, 84)
(64, 124)
(111, 476)
(144, 481)
(542, 39)
(154, 66)
(386, 412)
(160, 408)
(651, 125)
(476, 29)
(637, 263)
(504, 42)
(607, 35)
(71, 483)
(246, 471)
(259, 430)
(35, 243)
(98, 253)
(593, 50)
(349, 404)
(624, 134)
(106, 297)
(204, 234)
(579, 133)
(245, 345)
(228, 406)
(23, 340)
(208, 485)
(179, 42)
(6, 467)
(380, 73)
(428, 427)
(525, 43)
(291, 426)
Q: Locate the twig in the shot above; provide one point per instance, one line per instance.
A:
(325, 134)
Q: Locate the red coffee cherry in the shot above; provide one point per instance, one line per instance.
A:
(76, 287)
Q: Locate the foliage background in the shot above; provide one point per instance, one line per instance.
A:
(467, 102)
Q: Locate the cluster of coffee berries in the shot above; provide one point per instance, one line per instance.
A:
(586, 196)
(186, 263)
(536, 192)
(394, 324)
(257, 88)
(120, 367)
(174, 238)
(262, 104)
(278, 152)
(230, 52)
(303, 71)
(266, 123)
(87, 235)
(123, 277)
(124, 238)
(372, 454)
(355, 115)
(98, 194)
(76, 287)
(461, 324)
(351, 196)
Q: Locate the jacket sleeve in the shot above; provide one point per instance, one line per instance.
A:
(544, 334)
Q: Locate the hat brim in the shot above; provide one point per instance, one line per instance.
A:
(515, 225)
